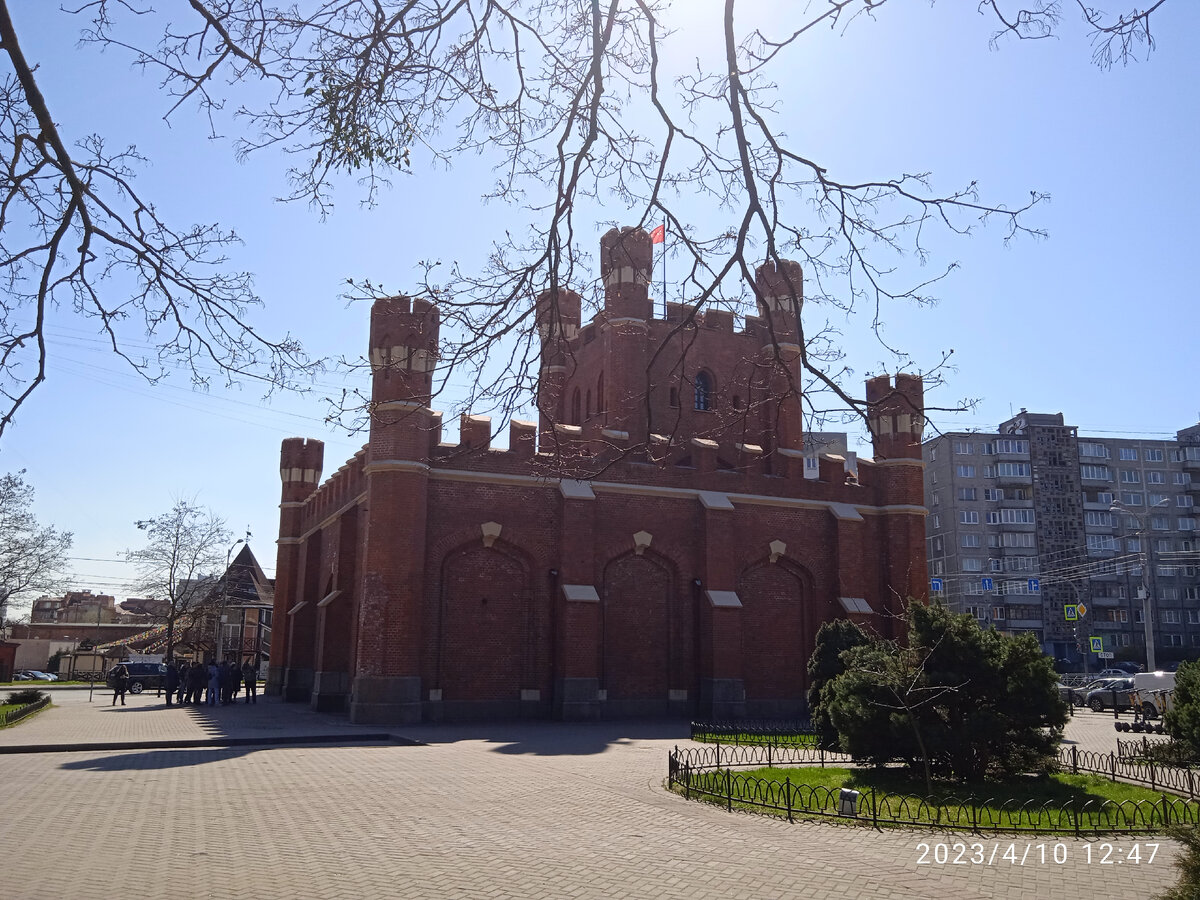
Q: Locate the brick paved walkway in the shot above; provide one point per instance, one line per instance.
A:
(518, 810)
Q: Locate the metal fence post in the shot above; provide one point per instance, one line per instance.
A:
(729, 790)
(768, 754)
(787, 787)
(1166, 811)
(687, 781)
(874, 810)
(1153, 786)
(1074, 760)
(1112, 758)
(822, 756)
(1191, 785)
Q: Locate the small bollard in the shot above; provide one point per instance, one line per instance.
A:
(848, 803)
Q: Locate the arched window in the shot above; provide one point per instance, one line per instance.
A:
(703, 391)
(674, 398)
(588, 407)
(575, 408)
(600, 393)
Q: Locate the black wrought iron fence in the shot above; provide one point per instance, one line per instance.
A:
(15, 715)
(707, 773)
(754, 729)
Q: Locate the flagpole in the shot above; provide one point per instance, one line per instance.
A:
(664, 268)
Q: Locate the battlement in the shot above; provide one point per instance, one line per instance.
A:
(896, 415)
(300, 460)
(403, 349)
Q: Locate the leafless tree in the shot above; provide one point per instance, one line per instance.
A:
(577, 105)
(75, 232)
(33, 556)
(184, 552)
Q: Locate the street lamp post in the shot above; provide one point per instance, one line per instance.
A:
(1146, 552)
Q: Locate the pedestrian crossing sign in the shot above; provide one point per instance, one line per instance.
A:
(1097, 644)
(1071, 612)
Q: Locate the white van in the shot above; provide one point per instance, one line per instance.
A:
(1154, 692)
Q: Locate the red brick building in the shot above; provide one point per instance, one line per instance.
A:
(683, 566)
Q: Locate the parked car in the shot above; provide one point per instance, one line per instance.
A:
(34, 675)
(1113, 672)
(141, 676)
(1100, 699)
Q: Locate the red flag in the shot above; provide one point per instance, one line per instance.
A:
(658, 235)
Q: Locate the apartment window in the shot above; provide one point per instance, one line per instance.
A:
(1160, 523)
(937, 521)
(973, 587)
(964, 448)
(1131, 476)
(1020, 563)
(937, 544)
(1098, 519)
(969, 540)
(970, 564)
(1132, 524)
(967, 493)
(1170, 616)
(999, 613)
(1139, 616)
(993, 494)
(1008, 446)
(1131, 499)
(938, 567)
(1154, 456)
(933, 454)
(1018, 539)
(1174, 640)
(1187, 523)
(1170, 593)
(1018, 469)
(1116, 615)
(1101, 542)
(1095, 473)
(1156, 477)
(968, 517)
(1193, 616)
(1122, 640)
(1182, 478)
(989, 471)
(1096, 451)
(993, 540)
(995, 565)
(965, 471)
(1133, 545)
(1016, 516)
(1128, 453)
(1185, 500)
(993, 517)
(1162, 545)
(1104, 497)
(1155, 499)
(1165, 572)
(1191, 593)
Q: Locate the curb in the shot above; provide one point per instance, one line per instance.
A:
(214, 743)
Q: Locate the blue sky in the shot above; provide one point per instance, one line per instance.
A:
(1098, 321)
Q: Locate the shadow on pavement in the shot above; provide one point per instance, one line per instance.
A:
(185, 758)
(544, 738)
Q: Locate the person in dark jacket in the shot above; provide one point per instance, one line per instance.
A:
(120, 683)
(197, 679)
(250, 680)
(172, 681)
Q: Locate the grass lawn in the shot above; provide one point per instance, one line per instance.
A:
(1010, 805)
(760, 740)
(6, 708)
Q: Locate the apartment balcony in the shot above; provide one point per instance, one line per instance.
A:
(1191, 465)
(1107, 602)
(1098, 507)
(1021, 623)
(1016, 504)
(1111, 626)
(1016, 480)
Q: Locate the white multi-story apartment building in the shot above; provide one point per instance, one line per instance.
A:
(1034, 519)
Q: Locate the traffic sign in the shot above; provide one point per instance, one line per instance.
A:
(1105, 654)
(935, 584)
(1097, 644)
(1071, 612)
(1035, 586)
(1082, 610)
(987, 583)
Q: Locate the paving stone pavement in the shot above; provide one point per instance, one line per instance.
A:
(507, 810)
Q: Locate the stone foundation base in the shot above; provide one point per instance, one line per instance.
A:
(394, 700)
(297, 685)
(330, 692)
(723, 698)
(577, 699)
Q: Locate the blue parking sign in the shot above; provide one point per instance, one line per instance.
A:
(1035, 586)
(987, 583)
(935, 584)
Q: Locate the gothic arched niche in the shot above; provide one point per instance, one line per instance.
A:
(777, 631)
(483, 625)
(637, 628)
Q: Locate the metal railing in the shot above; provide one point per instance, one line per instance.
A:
(707, 773)
(16, 715)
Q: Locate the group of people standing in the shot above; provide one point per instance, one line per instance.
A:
(208, 684)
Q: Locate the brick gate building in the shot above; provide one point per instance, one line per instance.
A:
(682, 566)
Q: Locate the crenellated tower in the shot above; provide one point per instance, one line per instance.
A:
(558, 321)
(626, 262)
(300, 463)
(403, 354)
(896, 416)
(779, 292)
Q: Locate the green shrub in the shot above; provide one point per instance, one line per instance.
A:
(825, 664)
(957, 700)
(25, 697)
(1188, 864)
(1183, 718)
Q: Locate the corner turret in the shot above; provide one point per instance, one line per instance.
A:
(779, 292)
(404, 350)
(896, 416)
(626, 262)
